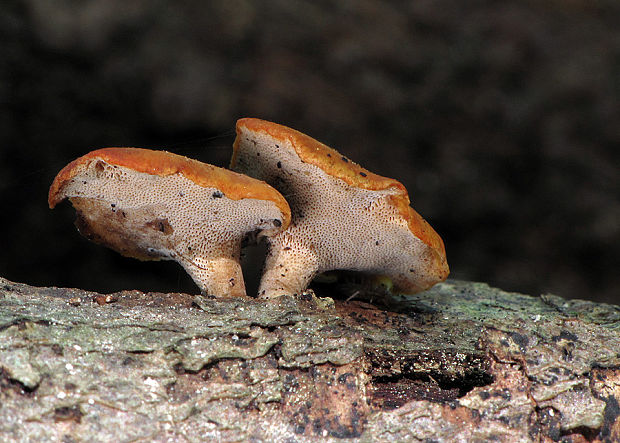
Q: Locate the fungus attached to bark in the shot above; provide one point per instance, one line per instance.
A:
(154, 205)
(343, 216)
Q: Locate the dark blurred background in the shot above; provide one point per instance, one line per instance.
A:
(502, 118)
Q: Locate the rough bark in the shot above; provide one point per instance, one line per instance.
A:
(462, 361)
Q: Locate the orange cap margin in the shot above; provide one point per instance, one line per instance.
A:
(162, 163)
(318, 154)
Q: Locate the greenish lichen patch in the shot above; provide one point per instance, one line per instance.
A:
(16, 363)
(197, 352)
(318, 341)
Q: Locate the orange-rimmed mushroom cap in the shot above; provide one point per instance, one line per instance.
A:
(343, 216)
(162, 163)
(155, 205)
(316, 153)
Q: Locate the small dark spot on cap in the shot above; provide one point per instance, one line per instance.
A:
(258, 153)
(217, 194)
(363, 174)
(161, 225)
(329, 155)
(344, 159)
(279, 165)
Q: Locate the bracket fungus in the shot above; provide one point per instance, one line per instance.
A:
(155, 205)
(344, 217)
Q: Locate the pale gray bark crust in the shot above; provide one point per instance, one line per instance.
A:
(462, 361)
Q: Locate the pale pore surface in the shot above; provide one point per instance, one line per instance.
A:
(333, 225)
(171, 218)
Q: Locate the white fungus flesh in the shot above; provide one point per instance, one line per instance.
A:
(343, 216)
(181, 210)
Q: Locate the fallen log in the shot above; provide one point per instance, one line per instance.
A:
(462, 361)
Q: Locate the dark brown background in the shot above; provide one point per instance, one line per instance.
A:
(502, 118)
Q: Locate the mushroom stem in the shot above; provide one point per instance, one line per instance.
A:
(219, 276)
(288, 270)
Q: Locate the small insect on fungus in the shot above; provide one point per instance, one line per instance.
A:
(343, 216)
(155, 205)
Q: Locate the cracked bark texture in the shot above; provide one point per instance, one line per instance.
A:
(462, 361)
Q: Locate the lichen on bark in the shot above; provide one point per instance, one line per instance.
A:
(460, 361)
